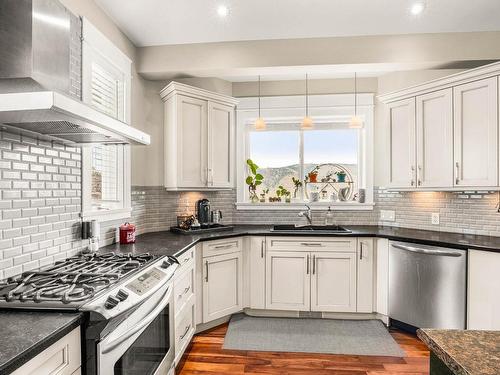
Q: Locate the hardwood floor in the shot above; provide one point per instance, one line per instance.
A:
(206, 356)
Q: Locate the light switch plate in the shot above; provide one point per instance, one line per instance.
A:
(387, 215)
(435, 218)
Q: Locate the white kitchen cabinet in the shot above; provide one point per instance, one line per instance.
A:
(333, 281)
(476, 133)
(382, 276)
(365, 284)
(483, 291)
(199, 138)
(257, 272)
(222, 285)
(61, 358)
(220, 145)
(402, 168)
(288, 280)
(434, 114)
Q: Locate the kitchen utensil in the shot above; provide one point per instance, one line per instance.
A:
(127, 233)
(216, 216)
(203, 212)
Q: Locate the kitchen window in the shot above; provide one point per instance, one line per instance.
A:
(106, 82)
(286, 154)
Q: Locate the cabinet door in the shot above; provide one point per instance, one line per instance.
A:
(402, 143)
(191, 142)
(257, 272)
(333, 282)
(287, 280)
(476, 133)
(382, 276)
(222, 286)
(220, 145)
(365, 278)
(435, 139)
(483, 290)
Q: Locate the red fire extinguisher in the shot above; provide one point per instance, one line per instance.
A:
(127, 233)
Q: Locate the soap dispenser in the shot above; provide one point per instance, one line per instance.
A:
(329, 216)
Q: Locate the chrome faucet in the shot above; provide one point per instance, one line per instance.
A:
(307, 214)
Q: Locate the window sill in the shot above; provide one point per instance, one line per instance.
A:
(107, 215)
(316, 206)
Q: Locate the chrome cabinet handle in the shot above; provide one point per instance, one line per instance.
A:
(361, 251)
(206, 266)
(262, 249)
(457, 178)
(311, 244)
(412, 174)
(184, 292)
(185, 332)
(307, 268)
(419, 170)
(314, 264)
(223, 246)
(427, 252)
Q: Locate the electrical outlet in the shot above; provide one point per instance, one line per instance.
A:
(435, 218)
(387, 215)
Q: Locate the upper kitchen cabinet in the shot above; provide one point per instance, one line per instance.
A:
(434, 116)
(199, 138)
(402, 145)
(476, 133)
(444, 134)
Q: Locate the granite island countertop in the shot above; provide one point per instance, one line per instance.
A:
(465, 352)
(24, 334)
(168, 243)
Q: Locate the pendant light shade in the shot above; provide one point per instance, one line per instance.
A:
(259, 124)
(307, 122)
(356, 122)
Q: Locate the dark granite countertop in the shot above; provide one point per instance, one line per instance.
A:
(24, 334)
(465, 352)
(167, 243)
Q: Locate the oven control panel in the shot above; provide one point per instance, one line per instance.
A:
(146, 281)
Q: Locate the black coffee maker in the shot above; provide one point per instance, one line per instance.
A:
(203, 212)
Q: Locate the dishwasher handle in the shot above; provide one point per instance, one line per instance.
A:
(445, 253)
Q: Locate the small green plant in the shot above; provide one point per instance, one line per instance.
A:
(282, 192)
(298, 184)
(263, 195)
(253, 180)
(341, 175)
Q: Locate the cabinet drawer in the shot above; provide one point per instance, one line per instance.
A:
(185, 258)
(183, 287)
(311, 244)
(222, 247)
(62, 358)
(184, 330)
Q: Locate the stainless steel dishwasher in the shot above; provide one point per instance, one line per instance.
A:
(427, 285)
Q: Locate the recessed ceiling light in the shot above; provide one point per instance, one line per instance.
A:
(223, 11)
(417, 8)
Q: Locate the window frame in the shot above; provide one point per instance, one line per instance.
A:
(325, 109)
(97, 48)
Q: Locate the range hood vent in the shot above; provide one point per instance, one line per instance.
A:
(40, 78)
(57, 117)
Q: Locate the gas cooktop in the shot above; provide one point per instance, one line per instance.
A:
(72, 282)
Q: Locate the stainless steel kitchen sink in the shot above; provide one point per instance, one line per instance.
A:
(310, 228)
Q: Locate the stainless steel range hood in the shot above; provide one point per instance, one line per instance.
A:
(40, 78)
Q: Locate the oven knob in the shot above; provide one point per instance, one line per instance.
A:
(111, 302)
(165, 264)
(122, 295)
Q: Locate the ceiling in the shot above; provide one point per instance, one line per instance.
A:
(160, 22)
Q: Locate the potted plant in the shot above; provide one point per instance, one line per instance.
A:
(341, 176)
(313, 175)
(263, 195)
(253, 180)
(282, 192)
(298, 184)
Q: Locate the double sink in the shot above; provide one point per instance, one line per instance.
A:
(290, 228)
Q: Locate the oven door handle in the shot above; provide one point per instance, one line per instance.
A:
(153, 314)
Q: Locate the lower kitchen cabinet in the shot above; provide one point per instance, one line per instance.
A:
(222, 285)
(483, 310)
(61, 358)
(287, 280)
(365, 284)
(257, 272)
(333, 282)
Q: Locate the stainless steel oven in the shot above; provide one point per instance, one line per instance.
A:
(143, 343)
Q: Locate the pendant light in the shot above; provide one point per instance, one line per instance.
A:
(259, 124)
(307, 122)
(355, 122)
